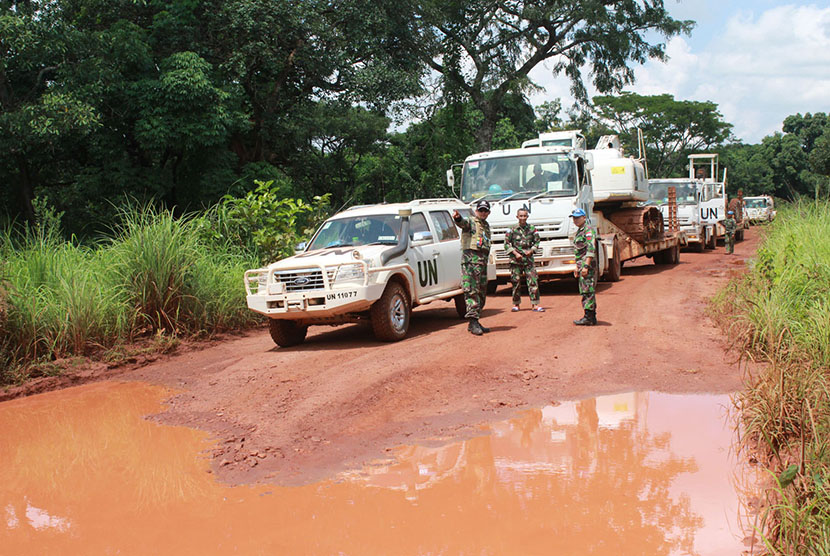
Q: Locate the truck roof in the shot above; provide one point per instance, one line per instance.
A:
(520, 152)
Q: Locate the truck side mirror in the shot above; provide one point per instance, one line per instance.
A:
(451, 179)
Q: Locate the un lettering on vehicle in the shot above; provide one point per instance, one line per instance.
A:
(428, 272)
(341, 295)
(709, 213)
(507, 208)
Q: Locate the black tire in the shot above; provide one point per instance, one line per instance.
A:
(697, 246)
(390, 314)
(615, 267)
(674, 257)
(492, 286)
(670, 256)
(287, 333)
(460, 306)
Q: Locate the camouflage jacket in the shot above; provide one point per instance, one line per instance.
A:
(730, 225)
(585, 246)
(523, 240)
(475, 233)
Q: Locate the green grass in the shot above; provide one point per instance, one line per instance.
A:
(60, 299)
(779, 314)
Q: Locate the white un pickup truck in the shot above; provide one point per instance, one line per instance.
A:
(368, 263)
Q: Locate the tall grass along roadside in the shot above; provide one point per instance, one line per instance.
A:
(779, 314)
(59, 298)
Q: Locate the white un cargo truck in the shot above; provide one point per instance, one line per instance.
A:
(550, 177)
(365, 264)
(701, 201)
(759, 209)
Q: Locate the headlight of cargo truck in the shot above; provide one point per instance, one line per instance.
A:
(349, 273)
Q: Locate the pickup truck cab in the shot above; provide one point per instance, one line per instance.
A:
(369, 263)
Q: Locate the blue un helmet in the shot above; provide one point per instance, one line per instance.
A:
(730, 212)
(577, 212)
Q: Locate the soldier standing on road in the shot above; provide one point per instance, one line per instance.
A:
(586, 272)
(475, 250)
(731, 226)
(520, 242)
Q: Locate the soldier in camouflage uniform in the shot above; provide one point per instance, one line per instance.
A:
(520, 242)
(586, 267)
(475, 246)
(731, 227)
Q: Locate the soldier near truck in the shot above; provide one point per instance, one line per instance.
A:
(586, 267)
(520, 243)
(475, 251)
(730, 225)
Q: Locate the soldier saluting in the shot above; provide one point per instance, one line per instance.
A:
(475, 250)
(585, 255)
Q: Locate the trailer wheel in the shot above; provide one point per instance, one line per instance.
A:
(460, 306)
(696, 247)
(615, 266)
(390, 314)
(287, 333)
(674, 255)
(492, 286)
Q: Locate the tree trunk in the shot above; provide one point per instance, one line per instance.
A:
(485, 131)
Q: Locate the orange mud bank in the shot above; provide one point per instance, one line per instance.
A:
(297, 415)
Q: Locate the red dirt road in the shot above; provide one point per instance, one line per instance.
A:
(293, 415)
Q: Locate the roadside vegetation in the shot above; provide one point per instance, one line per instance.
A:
(779, 314)
(153, 279)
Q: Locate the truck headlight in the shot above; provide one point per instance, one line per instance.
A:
(349, 273)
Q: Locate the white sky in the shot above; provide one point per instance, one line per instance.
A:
(760, 61)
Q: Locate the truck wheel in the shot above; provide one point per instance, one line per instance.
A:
(674, 255)
(697, 246)
(615, 265)
(492, 286)
(711, 240)
(460, 306)
(287, 333)
(390, 314)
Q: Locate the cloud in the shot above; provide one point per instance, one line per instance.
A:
(759, 68)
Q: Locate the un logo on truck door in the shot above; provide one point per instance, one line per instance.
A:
(428, 272)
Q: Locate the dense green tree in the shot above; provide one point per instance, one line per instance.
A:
(484, 49)
(672, 129)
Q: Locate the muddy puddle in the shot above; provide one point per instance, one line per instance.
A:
(81, 472)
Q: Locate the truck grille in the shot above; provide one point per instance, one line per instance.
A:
(302, 279)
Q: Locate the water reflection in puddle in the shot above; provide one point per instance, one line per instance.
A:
(82, 472)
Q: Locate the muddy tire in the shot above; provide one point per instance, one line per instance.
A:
(287, 333)
(492, 286)
(390, 314)
(460, 306)
(712, 241)
(670, 256)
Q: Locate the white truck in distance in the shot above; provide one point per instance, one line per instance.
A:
(370, 263)
(549, 182)
(701, 201)
(759, 209)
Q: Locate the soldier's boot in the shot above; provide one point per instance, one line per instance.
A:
(474, 327)
(587, 320)
(483, 328)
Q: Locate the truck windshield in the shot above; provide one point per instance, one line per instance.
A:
(658, 192)
(551, 175)
(358, 230)
(756, 203)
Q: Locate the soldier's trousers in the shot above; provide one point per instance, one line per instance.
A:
(474, 281)
(729, 243)
(588, 289)
(528, 270)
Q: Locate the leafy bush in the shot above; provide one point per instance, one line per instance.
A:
(263, 222)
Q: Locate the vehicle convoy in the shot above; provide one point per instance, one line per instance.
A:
(759, 209)
(550, 177)
(701, 201)
(368, 263)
